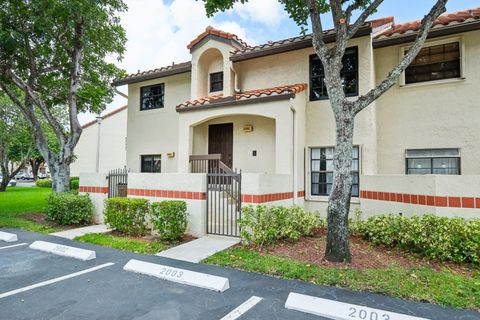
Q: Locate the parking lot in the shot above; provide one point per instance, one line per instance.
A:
(40, 285)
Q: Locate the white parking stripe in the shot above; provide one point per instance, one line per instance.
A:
(241, 309)
(14, 245)
(46, 283)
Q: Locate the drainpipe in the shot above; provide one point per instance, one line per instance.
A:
(235, 80)
(294, 153)
(120, 93)
(97, 161)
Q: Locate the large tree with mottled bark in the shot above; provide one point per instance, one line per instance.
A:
(348, 16)
(54, 54)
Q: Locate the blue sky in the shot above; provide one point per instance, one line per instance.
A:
(158, 31)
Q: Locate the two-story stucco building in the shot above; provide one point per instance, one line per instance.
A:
(264, 110)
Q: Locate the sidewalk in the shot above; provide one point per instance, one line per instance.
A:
(72, 233)
(202, 248)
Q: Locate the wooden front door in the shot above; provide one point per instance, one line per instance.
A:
(220, 140)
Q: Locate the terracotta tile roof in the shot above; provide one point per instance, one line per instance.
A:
(111, 113)
(305, 41)
(219, 33)
(444, 20)
(174, 68)
(251, 94)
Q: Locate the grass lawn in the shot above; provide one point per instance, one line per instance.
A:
(124, 243)
(17, 202)
(415, 283)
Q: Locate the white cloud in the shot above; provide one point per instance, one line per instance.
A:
(158, 34)
(268, 12)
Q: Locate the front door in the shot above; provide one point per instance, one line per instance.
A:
(220, 140)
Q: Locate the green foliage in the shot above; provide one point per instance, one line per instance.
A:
(66, 208)
(122, 243)
(420, 284)
(74, 183)
(44, 183)
(265, 225)
(127, 215)
(170, 219)
(439, 238)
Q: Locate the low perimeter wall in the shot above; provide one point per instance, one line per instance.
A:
(96, 185)
(269, 189)
(443, 195)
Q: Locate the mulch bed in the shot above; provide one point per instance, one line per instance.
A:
(40, 219)
(365, 255)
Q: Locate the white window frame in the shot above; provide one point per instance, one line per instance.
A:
(459, 39)
(308, 174)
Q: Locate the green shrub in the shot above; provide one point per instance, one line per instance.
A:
(439, 238)
(44, 183)
(265, 225)
(127, 215)
(67, 208)
(74, 183)
(170, 219)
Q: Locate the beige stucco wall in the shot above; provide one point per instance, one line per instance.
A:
(430, 115)
(113, 132)
(261, 139)
(155, 131)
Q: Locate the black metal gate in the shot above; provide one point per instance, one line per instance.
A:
(224, 202)
(117, 183)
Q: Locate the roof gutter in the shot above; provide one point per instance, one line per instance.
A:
(443, 31)
(151, 76)
(291, 46)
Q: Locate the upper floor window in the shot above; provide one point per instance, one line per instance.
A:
(433, 161)
(435, 63)
(216, 81)
(151, 97)
(349, 74)
(151, 163)
(322, 171)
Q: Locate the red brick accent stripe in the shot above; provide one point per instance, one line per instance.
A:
(167, 194)
(262, 198)
(93, 189)
(424, 200)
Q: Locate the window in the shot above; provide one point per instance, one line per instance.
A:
(433, 161)
(349, 74)
(151, 97)
(435, 63)
(152, 163)
(216, 81)
(322, 171)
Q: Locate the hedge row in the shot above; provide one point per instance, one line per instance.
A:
(265, 225)
(439, 238)
(47, 183)
(66, 208)
(130, 215)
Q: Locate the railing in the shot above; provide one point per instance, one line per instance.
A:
(208, 163)
(117, 182)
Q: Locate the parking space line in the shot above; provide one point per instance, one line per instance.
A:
(14, 245)
(241, 309)
(46, 283)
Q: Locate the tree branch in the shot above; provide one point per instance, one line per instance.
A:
(362, 18)
(317, 29)
(390, 80)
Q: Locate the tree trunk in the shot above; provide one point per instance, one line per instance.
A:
(338, 249)
(5, 181)
(35, 164)
(60, 172)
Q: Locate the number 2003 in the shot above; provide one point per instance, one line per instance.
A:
(171, 273)
(366, 315)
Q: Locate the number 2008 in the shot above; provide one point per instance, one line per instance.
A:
(365, 315)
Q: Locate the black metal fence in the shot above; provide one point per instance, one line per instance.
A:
(224, 202)
(117, 183)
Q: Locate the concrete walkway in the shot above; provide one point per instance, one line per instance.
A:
(197, 250)
(72, 233)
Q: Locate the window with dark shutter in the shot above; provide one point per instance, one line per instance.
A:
(435, 63)
(349, 74)
(151, 97)
(216, 81)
